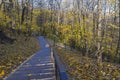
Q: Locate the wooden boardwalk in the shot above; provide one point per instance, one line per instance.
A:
(39, 67)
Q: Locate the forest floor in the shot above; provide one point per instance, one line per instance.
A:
(84, 68)
(13, 54)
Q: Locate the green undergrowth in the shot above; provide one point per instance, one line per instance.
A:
(83, 68)
(12, 55)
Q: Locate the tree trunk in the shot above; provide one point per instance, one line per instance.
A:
(118, 45)
(99, 33)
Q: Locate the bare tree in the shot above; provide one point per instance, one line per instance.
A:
(99, 30)
(118, 45)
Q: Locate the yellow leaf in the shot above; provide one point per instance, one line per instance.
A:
(29, 75)
(2, 73)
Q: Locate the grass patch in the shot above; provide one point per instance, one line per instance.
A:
(83, 68)
(12, 55)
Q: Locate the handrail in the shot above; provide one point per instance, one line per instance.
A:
(60, 71)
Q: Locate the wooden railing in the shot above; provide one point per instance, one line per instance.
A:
(60, 70)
